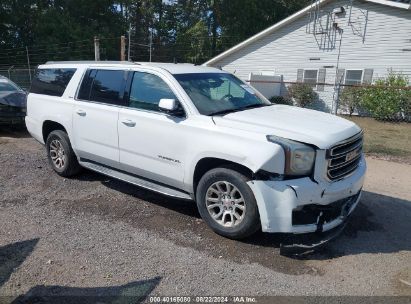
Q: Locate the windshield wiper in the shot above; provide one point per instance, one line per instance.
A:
(223, 112)
(228, 111)
(258, 105)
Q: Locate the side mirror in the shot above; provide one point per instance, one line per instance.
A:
(171, 106)
(168, 105)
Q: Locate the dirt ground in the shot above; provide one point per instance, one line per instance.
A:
(387, 140)
(93, 235)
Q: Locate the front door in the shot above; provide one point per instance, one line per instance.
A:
(152, 144)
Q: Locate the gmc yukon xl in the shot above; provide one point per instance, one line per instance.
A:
(199, 133)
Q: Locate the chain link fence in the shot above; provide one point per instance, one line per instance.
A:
(382, 102)
(21, 76)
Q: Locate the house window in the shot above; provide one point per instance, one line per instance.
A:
(353, 77)
(310, 77)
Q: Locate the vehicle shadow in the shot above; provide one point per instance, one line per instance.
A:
(12, 256)
(134, 292)
(17, 131)
(184, 207)
(380, 224)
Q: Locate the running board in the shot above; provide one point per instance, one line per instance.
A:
(136, 180)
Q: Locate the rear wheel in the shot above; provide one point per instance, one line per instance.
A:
(227, 204)
(61, 155)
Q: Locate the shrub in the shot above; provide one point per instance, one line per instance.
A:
(350, 99)
(285, 100)
(302, 94)
(385, 100)
(407, 107)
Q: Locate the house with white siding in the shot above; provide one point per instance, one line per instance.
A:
(328, 43)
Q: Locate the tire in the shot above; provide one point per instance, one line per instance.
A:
(222, 178)
(65, 163)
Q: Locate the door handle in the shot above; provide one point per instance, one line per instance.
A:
(128, 122)
(81, 112)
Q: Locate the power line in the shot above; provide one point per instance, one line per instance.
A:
(45, 45)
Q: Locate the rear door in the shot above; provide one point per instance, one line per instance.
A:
(95, 115)
(152, 144)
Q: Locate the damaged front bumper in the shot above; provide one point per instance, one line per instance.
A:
(304, 206)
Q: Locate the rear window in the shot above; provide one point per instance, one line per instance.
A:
(51, 82)
(6, 86)
(105, 86)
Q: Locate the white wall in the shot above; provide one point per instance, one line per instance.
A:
(268, 85)
(387, 34)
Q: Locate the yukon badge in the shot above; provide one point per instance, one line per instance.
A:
(169, 159)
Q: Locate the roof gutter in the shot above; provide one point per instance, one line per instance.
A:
(392, 3)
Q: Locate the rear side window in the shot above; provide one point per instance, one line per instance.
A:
(108, 87)
(51, 82)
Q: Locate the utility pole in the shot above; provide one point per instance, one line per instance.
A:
(337, 87)
(28, 62)
(151, 42)
(123, 48)
(96, 49)
(129, 42)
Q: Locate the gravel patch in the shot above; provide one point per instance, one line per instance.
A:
(94, 235)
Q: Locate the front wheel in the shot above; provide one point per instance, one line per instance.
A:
(227, 204)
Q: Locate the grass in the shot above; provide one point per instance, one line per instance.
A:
(385, 139)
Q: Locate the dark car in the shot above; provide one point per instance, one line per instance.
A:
(12, 102)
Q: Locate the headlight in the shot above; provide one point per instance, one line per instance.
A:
(299, 158)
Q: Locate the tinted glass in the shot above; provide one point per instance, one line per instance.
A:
(6, 86)
(108, 87)
(147, 90)
(85, 88)
(51, 81)
(214, 93)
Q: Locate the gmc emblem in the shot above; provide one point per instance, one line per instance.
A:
(350, 156)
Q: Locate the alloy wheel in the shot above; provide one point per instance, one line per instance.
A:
(225, 204)
(57, 154)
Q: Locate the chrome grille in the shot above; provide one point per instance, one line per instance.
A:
(344, 157)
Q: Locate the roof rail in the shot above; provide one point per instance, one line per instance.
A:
(91, 62)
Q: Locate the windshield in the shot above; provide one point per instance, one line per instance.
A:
(219, 93)
(6, 86)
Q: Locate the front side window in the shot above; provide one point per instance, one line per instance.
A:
(353, 77)
(147, 90)
(310, 77)
(108, 87)
(219, 93)
(51, 82)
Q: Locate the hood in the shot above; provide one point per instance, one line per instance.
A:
(308, 126)
(14, 99)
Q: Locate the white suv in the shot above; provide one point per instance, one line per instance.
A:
(200, 133)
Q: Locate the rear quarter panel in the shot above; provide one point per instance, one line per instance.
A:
(41, 108)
